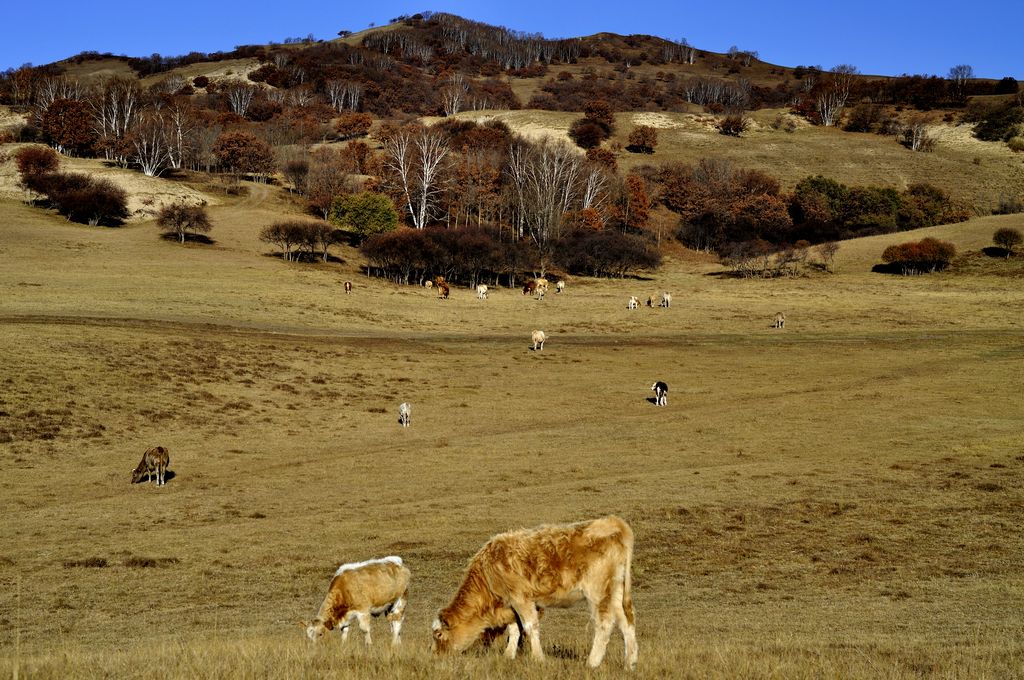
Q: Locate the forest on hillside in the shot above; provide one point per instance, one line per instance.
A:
(333, 121)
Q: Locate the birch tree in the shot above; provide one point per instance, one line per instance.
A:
(416, 161)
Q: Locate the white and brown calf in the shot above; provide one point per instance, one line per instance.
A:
(362, 590)
(780, 321)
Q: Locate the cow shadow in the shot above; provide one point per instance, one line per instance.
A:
(168, 476)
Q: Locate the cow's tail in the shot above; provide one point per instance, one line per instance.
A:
(627, 580)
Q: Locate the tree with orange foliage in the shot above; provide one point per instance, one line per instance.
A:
(643, 139)
(352, 124)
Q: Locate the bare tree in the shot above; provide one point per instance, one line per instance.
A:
(835, 92)
(958, 77)
(452, 94)
(415, 159)
(240, 97)
(115, 106)
(152, 151)
(914, 134)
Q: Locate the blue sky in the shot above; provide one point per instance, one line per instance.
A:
(877, 37)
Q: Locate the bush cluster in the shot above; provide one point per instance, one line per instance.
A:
(473, 254)
(81, 198)
(302, 239)
(918, 257)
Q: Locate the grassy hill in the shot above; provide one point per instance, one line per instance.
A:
(838, 498)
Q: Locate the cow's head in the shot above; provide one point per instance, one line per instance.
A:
(441, 634)
(137, 474)
(315, 629)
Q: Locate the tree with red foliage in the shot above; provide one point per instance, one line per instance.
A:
(352, 124)
(240, 152)
(67, 124)
(604, 158)
(638, 203)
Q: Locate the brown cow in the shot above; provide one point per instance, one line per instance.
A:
(361, 590)
(153, 464)
(529, 288)
(550, 566)
(442, 290)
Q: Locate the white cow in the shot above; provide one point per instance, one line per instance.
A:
(481, 291)
(538, 339)
(405, 413)
(634, 302)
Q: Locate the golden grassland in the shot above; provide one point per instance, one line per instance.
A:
(839, 499)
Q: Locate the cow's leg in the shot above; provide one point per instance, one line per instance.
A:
(627, 625)
(604, 620)
(512, 646)
(345, 625)
(364, 624)
(527, 612)
(394, 616)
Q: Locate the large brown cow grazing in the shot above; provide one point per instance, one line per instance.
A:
(554, 566)
(153, 464)
(361, 590)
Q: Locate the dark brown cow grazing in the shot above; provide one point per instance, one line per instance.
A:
(348, 287)
(529, 288)
(442, 290)
(552, 566)
(153, 464)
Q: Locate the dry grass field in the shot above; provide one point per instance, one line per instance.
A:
(839, 499)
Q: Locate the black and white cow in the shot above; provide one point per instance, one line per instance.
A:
(661, 392)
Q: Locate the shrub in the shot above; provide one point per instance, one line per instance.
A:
(588, 133)
(200, 81)
(998, 123)
(1016, 143)
(603, 157)
(733, 125)
(1009, 205)
(36, 160)
(1008, 238)
(1007, 85)
(607, 252)
(917, 257)
(643, 139)
(179, 219)
(364, 214)
(301, 239)
(81, 198)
